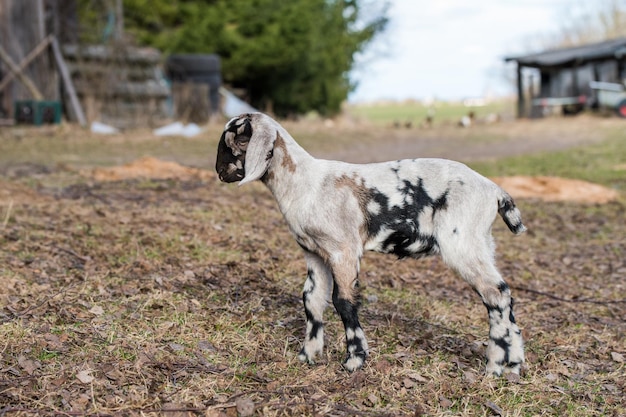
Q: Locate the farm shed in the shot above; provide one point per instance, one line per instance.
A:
(568, 78)
(42, 63)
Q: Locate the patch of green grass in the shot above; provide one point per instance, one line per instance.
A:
(415, 112)
(66, 146)
(602, 163)
(45, 355)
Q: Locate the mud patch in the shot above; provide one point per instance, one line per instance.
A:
(556, 189)
(148, 167)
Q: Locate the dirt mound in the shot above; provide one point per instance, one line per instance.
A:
(545, 188)
(148, 167)
(556, 189)
(16, 193)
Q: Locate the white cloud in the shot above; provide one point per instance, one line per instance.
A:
(449, 48)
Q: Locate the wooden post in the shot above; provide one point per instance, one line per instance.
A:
(119, 20)
(32, 55)
(69, 85)
(521, 104)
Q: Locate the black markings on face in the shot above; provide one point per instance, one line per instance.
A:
(231, 150)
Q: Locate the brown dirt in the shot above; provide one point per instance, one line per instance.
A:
(148, 167)
(153, 289)
(556, 189)
(545, 188)
(15, 193)
(129, 298)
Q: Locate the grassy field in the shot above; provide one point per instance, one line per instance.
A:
(183, 297)
(442, 113)
(601, 163)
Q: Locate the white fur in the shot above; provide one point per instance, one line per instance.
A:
(417, 207)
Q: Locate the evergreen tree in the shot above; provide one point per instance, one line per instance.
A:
(291, 56)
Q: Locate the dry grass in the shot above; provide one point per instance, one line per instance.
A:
(139, 296)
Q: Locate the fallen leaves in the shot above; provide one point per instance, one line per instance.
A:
(494, 408)
(617, 357)
(85, 376)
(181, 310)
(96, 310)
(245, 407)
(28, 365)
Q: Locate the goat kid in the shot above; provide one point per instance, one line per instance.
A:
(410, 208)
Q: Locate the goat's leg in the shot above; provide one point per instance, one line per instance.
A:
(315, 297)
(505, 349)
(345, 300)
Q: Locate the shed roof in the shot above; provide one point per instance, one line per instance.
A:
(615, 48)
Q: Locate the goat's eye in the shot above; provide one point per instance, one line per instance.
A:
(242, 142)
(241, 139)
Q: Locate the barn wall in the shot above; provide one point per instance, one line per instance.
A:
(22, 28)
(570, 82)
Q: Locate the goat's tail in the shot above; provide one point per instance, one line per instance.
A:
(510, 213)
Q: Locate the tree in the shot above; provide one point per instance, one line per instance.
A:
(291, 56)
(587, 22)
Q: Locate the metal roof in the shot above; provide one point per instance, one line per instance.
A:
(615, 48)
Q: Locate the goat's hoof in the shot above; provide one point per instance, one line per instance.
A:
(500, 370)
(304, 358)
(513, 368)
(354, 362)
(494, 370)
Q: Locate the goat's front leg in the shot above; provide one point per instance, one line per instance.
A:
(315, 297)
(345, 300)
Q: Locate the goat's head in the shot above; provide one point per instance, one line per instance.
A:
(246, 148)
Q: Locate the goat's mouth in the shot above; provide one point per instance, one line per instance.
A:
(230, 173)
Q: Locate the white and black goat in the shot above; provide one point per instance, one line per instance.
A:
(410, 208)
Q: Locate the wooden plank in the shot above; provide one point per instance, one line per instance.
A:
(69, 85)
(28, 83)
(32, 55)
(144, 55)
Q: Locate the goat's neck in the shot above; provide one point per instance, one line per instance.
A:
(287, 175)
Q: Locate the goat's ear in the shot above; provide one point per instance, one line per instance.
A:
(259, 154)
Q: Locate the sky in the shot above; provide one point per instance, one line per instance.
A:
(452, 49)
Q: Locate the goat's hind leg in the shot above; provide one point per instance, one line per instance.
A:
(315, 297)
(505, 349)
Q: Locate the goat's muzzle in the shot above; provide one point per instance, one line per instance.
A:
(230, 168)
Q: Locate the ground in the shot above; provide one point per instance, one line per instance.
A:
(182, 296)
